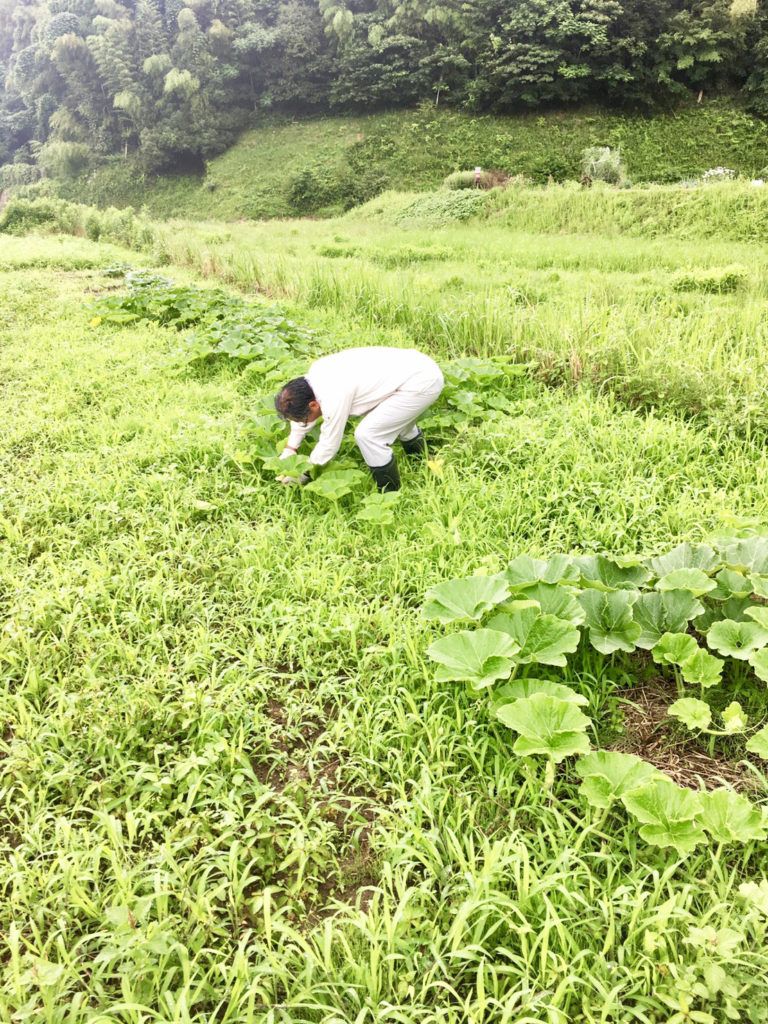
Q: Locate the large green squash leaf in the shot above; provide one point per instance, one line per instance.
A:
(696, 714)
(684, 556)
(524, 571)
(602, 573)
(694, 581)
(730, 584)
(608, 775)
(669, 814)
(479, 656)
(674, 649)
(609, 619)
(516, 689)
(759, 613)
(546, 725)
(460, 600)
(731, 818)
(336, 485)
(554, 600)
(759, 585)
(734, 608)
(758, 744)
(658, 613)
(737, 639)
(748, 554)
(543, 639)
(759, 662)
(702, 669)
(291, 465)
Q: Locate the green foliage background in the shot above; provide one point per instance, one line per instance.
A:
(173, 84)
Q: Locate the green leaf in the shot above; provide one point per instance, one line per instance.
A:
(609, 619)
(602, 573)
(554, 600)
(694, 581)
(668, 813)
(464, 599)
(730, 584)
(543, 639)
(379, 508)
(547, 725)
(684, 556)
(758, 612)
(696, 714)
(674, 648)
(336, 485)
(756, 894)
(759, 662)
(737, 639)
(659, 613)
(524, 571)
(731, 818)
(519, 688)
(758, 744)
(722, 942)
(748, 554)
(608, 775)
(702, 669)
(759, 585)
(292, 465)
(734, 608)
(734, 719)
(479, 656)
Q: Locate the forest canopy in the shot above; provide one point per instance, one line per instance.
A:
(174, 82)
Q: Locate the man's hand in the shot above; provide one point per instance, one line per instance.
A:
(294, 481)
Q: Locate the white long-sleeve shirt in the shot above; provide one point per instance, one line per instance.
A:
(351, 383)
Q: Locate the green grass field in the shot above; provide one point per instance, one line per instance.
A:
(233, 787)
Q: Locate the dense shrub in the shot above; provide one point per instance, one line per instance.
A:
(23, 215)
(14, 175)
(548, 167)
(64, 159)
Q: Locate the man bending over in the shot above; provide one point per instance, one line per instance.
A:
(388, 387)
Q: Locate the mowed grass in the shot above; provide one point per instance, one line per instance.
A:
(231, 789)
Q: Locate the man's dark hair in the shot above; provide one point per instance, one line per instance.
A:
(292, 402)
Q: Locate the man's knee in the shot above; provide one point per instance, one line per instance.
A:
(362, 434)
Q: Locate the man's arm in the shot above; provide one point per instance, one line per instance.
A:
(298, 432)
(335, 416)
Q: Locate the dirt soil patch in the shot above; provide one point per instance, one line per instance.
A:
(650, 733)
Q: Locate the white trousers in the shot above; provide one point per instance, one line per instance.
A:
(396, 416)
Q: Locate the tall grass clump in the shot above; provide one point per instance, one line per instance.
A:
(731, 210)
(460, 179)
(601, 163)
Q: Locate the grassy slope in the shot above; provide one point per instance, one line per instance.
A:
(219, 728)
(416, 149)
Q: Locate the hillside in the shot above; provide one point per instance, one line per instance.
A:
(323, 166)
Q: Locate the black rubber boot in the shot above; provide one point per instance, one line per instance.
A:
(386, 477)
(416, 447)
